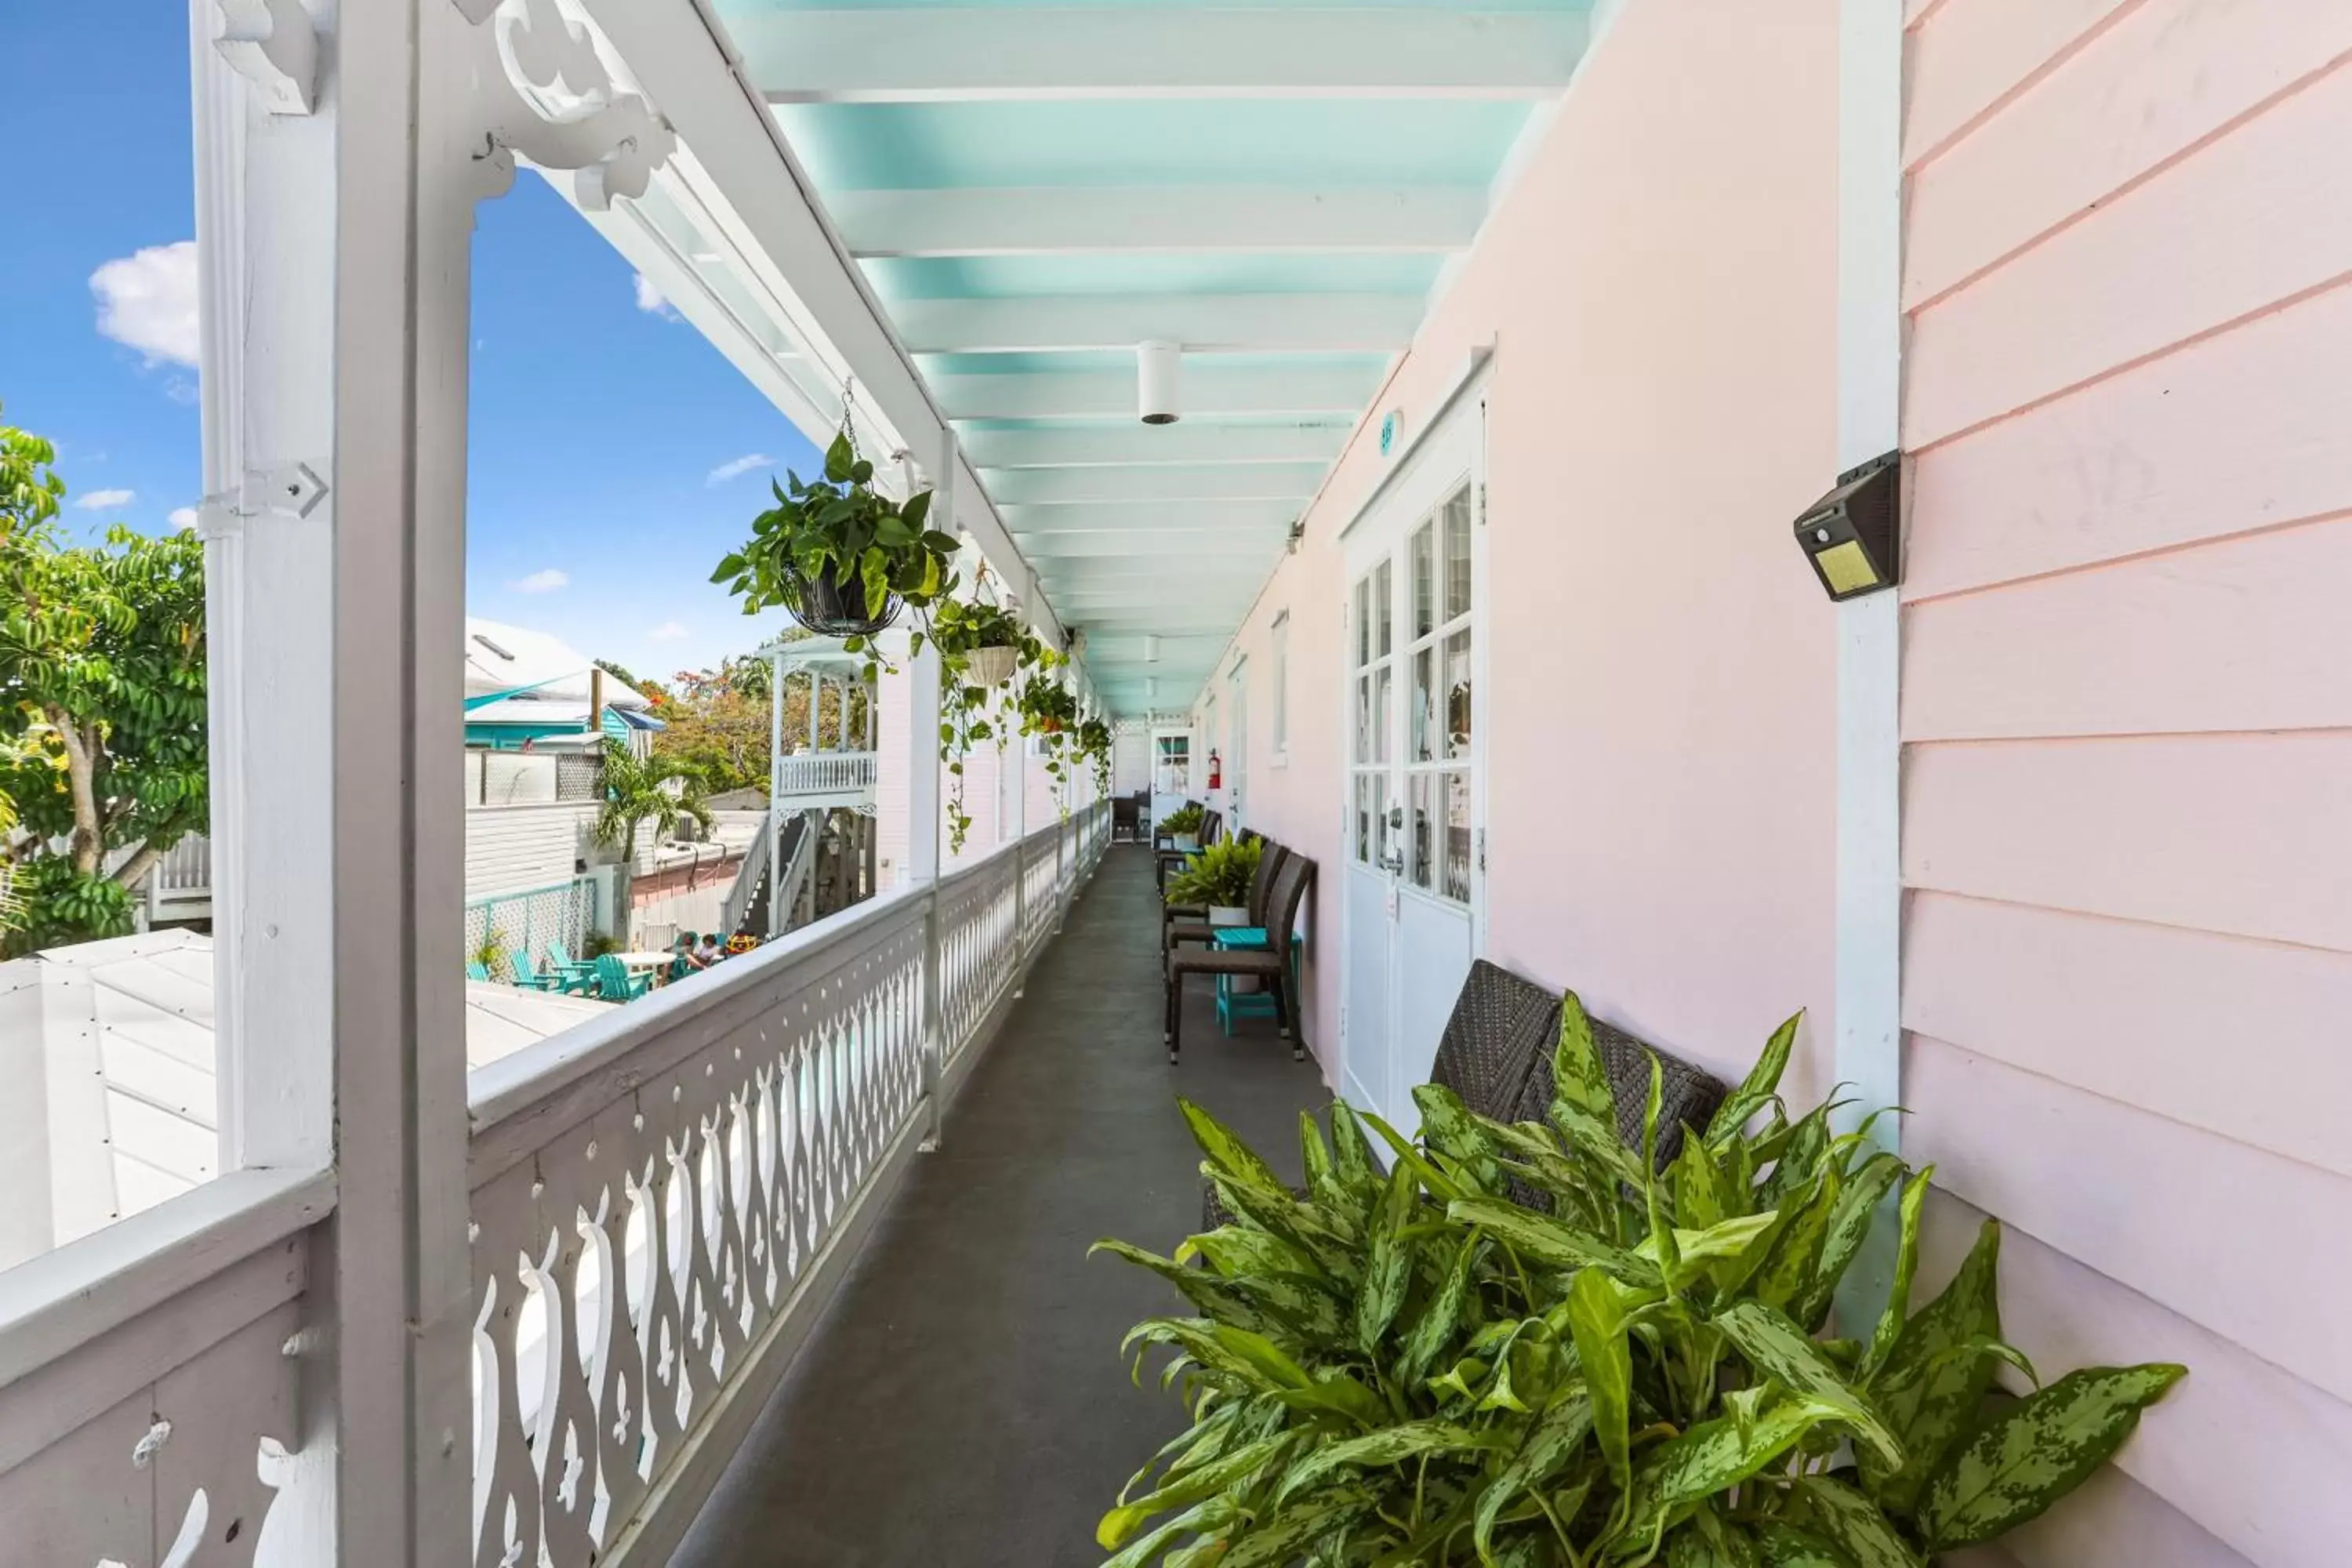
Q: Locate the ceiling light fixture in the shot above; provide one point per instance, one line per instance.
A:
(1150, 649)
(1159, 366)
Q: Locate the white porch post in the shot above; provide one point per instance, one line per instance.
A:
(775, 794)
(924, 808)
(1869, 1050)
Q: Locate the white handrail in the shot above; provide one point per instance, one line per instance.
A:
(704, 1157)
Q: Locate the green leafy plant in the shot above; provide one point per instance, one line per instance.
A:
(836, 549)
(1528, 1345)
(1218, 876)
(1050, 710)
(961, 629)
(102, 722)
(1185, 819)
(660, 790)
(490, 953)
(1094, 745)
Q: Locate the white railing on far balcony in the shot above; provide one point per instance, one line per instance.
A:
(825, 774)
(662, 1199)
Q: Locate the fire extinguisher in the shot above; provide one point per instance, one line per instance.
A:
(1216, 771)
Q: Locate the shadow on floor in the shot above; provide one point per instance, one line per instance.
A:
(963, 1402)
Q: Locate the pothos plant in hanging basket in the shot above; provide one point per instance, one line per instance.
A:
(1094, 745)
(838, 554)
(981, 648)
(1050, 708)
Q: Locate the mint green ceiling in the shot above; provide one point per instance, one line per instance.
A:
(1292, 142)
(1024, 219)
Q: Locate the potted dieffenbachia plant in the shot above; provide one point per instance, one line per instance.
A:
(838, 554)
(1528, 1346)
(982, 647)
(1218, 880)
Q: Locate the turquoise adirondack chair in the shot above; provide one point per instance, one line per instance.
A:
(525, 976)
(477, 971)
(571, 974)
(615, 983)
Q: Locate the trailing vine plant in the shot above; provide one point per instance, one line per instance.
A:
(1050, 708)
(1094, 745)
(964, 632)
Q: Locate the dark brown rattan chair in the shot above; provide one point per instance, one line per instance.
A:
(1183, 924)
(1496, 1053)
(1270, 966)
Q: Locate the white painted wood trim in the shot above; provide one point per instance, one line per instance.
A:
(895, 56)
(1092, 220)
(1477, 366)
(1869, 839)
(1338, 323)
(52, 1305)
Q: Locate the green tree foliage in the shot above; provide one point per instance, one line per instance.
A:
(1531, 1346)
(102, 735)
(660, 790)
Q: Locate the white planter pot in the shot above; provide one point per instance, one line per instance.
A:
(1226, 915)
(1188, 842)
(989, 666)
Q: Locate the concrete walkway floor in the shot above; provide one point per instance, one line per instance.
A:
(963, 1402)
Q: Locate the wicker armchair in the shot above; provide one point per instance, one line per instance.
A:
(1496, 1053)
(1270, 964)
(1181, 924)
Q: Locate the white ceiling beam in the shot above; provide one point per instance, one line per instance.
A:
(1229, 481)
(1161, 620)
(1142, 519)
(1206, 391)
(1305, 323)
(934, 54)
(1049, 220)
(1045, 548)
(1189, 443)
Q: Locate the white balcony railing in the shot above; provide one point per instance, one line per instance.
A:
(662, 1201)
(825, 774)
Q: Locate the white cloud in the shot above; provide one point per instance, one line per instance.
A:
(653, 301)
(669, 631)
(546, 580)
(147, 301)
(183, 517)
(740, 466)
(106, 501)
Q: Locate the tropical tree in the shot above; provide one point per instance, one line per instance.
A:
(660, 790)
(102, 734)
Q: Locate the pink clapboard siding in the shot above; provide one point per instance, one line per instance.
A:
(1661, 706)
(2127, 722)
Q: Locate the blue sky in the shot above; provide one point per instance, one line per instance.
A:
(603, 428)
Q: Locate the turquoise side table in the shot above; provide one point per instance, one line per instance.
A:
(1230, 1003)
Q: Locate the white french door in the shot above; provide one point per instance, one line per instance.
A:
(1414, 884)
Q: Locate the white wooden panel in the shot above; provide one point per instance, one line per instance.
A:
(2247, 429)
(2164, 77)
(2182, 1215)
(968, 221)
(1186, 443)
(2238, 834)
(2250, 221)
(510, 850)
(2205, 1029)
(1340, 323)
(2242, 1449)
(891, 55)
(1293, 482)
(2252, 633)
(1206, 390)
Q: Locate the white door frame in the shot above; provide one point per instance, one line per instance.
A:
(1450, 449)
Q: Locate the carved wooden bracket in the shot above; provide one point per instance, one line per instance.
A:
(272, 43)
(547, 96)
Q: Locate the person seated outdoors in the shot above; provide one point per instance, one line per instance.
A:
(709, 953)
(682, 959)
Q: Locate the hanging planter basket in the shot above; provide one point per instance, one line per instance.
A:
(833, 604)
(990, 667)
